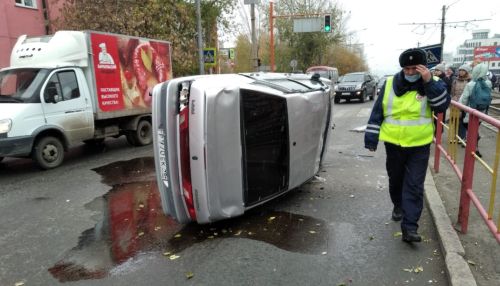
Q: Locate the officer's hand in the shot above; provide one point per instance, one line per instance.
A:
(424, 71)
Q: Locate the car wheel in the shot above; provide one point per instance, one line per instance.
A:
(336, 100)
(48, 152)
(363, 96)
(142, 135)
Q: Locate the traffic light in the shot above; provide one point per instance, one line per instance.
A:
(328, 23)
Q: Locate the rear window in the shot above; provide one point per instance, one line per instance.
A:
(265, 145)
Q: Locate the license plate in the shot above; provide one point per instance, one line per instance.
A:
(346, 93)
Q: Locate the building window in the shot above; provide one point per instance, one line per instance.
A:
(492, 64)
(26, 3)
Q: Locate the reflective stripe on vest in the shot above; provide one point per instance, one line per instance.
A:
(407, 120)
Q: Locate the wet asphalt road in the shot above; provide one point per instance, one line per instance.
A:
(97, 221)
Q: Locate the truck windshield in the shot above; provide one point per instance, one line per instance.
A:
(21, 85)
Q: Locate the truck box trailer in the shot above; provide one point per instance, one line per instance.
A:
(78, 86)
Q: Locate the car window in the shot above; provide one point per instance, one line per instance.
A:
(353, 77)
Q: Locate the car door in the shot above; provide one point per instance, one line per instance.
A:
(65, 107)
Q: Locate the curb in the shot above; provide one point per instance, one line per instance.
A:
(458, 270)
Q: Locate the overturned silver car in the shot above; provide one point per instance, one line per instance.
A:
(226, 143)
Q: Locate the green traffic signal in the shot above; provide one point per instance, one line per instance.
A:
(328, 23)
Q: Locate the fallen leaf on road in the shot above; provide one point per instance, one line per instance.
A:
(173, 257)
(312, 232)
(20, 283)
(271, 218)
(398, 233)
(177, 235)
(167, 253)
(189, 275)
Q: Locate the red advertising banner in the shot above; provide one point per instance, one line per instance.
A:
(487, 53)
(127, 69)
(107, 72)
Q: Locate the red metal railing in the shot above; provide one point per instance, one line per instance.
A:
(466, 175)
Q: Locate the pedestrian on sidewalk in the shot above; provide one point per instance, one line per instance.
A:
(402, 118)
(479, 74)
(457, 89)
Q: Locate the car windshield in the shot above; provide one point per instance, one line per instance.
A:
(21, 85)
(322, 73)
(355, 77)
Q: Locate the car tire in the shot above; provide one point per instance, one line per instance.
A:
(48, 152)
(142, 135)
(374, 93)
(336, 100)
(363, 96)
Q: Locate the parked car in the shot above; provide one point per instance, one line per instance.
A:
(358, 85)
(226, 143)
(330, 73)
(380, 83)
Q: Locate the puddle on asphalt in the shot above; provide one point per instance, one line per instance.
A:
(133, 223)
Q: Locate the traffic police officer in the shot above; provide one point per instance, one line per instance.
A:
(402, 118)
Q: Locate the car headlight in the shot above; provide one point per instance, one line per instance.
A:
(5, 125)
(335, 87)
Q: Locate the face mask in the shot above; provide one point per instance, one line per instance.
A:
(413, 78)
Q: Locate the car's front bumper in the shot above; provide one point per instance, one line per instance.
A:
(348, 94)
(15, 146)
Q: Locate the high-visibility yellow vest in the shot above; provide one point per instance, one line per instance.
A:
(407, 118)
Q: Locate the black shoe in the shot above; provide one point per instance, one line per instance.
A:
(411, 236)
(397, 214)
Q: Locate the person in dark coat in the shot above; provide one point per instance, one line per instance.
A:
(402, 118)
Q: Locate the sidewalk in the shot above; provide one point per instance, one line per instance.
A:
(480, 252)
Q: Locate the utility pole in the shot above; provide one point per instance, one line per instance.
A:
(254, 39)
(200, 38)
(442, 31)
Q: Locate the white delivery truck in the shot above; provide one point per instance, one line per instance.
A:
(77, 86)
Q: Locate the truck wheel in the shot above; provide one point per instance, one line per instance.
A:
(142, 136)
(48, 152)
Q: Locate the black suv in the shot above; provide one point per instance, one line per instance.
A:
(357, 85)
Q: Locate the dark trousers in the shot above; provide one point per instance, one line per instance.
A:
(406, 168)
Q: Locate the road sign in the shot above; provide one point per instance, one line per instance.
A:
(305, 25)
(433, 54)
(231, 54)
(209, 57)
(247, 2)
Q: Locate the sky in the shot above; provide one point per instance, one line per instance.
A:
(377, 24)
